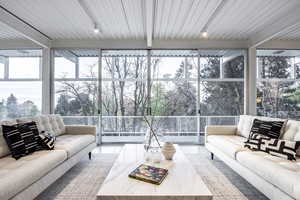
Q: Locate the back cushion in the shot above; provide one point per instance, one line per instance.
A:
(4, 150)
(292, 132)
(57, 124)
(51, 123)
(244, 126)
(61, 124)
(36, 119)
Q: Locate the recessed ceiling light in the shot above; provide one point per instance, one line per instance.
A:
(204, 34)
(96, 29)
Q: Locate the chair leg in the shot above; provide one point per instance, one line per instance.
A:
(90, 155)
(212, 156)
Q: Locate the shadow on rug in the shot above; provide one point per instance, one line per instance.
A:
(83, 181)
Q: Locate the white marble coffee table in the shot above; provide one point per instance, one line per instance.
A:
(182, 182)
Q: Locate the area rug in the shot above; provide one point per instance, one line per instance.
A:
(82, 182)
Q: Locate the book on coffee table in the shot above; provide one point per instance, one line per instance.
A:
(149, 174)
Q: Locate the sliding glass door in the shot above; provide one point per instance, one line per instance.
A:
(124, 95)
(181, 90)
(174, 94)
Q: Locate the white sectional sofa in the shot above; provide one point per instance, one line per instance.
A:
(28, 176)
(277, 178)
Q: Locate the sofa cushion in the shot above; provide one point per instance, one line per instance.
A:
(73, 143)
(49, 123)
(244, 125)
(278, 171)
(229, 145)
(4, 150)
(17, 175)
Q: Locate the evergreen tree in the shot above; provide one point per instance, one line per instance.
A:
(275, 98)
(12, 107)
(222, 98)
(62, 106)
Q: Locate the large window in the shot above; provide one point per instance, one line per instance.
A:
(20, 83)
(124, 94)
(278, 93)
(76, 85)
(174, 93)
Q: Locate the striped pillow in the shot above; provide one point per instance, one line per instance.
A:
(271, 129)
(20, 139)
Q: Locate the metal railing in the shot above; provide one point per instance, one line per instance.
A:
(133, 128)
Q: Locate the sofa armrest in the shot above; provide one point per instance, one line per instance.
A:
(220, 130)
(80, 130)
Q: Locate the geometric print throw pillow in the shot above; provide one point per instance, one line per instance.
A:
(254, 141)
(270, 129)
(47, 140)
(281, 148)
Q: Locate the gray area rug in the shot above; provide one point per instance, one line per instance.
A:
(84, 179)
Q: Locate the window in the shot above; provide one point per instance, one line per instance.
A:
(1, 70)
(172, 88)
(24, 67)
(278, 93)
(221, 82)
(21, 85)
(88, 67)
(76, 85)
(64, 68)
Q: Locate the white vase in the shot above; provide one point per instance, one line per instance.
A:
(168, 150)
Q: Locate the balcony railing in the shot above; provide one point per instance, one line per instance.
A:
(133, 128)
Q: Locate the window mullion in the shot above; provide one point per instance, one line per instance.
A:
(6, 68)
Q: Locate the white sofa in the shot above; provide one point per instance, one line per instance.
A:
(28, 176)
(277, 178)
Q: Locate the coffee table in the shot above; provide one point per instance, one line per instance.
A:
(182, 182)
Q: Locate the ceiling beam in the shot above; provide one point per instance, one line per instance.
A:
(150, 9)
(220, 5)
(281, 25)
(67, 55)
(280, 44)
(23, 28)
(156, 44)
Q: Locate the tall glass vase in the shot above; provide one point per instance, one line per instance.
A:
(152, 146)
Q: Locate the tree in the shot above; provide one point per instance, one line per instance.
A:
(12, 107)
(275, 98)
(222, 98)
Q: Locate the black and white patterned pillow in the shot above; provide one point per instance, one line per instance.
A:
(270, 129)
(281, 148)
(14, 140)
(47, 140)
(20, 139)
(33, 127)
(254, 141)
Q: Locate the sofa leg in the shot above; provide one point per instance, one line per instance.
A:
(212, 156)
(90, 155)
